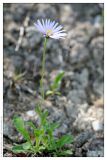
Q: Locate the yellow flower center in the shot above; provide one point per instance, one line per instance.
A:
(49, 32)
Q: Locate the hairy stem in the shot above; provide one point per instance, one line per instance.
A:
(43, 69)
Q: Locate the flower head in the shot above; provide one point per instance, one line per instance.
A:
(50, 29)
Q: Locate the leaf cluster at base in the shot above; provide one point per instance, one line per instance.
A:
(42, 138)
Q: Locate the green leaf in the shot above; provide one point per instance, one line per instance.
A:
(68, 152)
(58, 93)
(64, 153)
(30, 124)
(42, 147)
(21, 148)
(53, 126)
(66, 139)
(26, 145)
(18, 149)
(39, 132)
(38, 110)
(42, 115)
(20, 126)
(49, 92)
(57, 81)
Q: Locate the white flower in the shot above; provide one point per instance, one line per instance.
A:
(50, 29)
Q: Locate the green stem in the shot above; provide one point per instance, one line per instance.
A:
(43, 69)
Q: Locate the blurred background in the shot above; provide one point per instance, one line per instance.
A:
(79, 109)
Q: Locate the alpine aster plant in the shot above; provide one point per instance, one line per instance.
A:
(42, 139)
(50, 29)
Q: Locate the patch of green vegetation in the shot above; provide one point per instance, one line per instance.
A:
(55, 85)
(43, 138)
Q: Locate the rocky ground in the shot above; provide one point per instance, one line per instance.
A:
(79, 109)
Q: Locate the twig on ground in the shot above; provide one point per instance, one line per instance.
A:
(23, 27)
(21, 33)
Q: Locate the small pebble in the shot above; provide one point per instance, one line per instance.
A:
(97, 125)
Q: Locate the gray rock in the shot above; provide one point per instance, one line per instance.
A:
(78, 54)
(77, 96)
(96, 147)
(98, 21)
(61, 130)
(99, 89)
(82, 138)
(57, 115)
(34, 39)
(71, 110)
(97, 125)
(99, 153)
(82, 78)
(97, 47)
(7, 129)
(31, 113)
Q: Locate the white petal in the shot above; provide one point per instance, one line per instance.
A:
(60, 34)
(58, 28)
(46, 22)
(43, 23)
(52, 24)
(57, 36)
(38, 27)
(55, 25)
(61, 31)
(41, 26)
